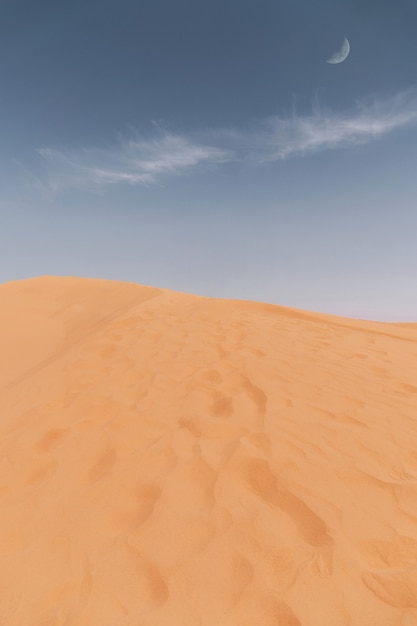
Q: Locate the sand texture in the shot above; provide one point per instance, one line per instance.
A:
(173, 460)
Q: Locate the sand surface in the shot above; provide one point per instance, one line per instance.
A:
(172, 460)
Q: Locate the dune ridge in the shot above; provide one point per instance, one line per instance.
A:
(169, 459)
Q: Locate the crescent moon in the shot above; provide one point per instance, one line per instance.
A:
(339, 57)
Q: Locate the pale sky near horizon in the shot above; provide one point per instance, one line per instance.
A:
(207, 147)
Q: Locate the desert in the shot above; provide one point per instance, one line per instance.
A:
(177, 460)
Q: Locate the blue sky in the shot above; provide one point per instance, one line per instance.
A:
(208, 147)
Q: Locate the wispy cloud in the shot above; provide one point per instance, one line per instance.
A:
(135, 162)
(295, 135)
(143, 162)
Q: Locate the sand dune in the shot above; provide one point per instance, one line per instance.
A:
(172, 460)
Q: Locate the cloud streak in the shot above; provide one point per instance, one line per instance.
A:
(293, 136)
(134, 162)
(145, 162)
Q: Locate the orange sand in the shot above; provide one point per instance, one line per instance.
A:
(172, 460)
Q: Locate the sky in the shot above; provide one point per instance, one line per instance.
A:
(208, 147)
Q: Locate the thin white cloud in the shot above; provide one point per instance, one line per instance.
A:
(136, 162)
(283, 138)
(144, 162)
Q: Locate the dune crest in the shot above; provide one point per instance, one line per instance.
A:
(168, 459)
